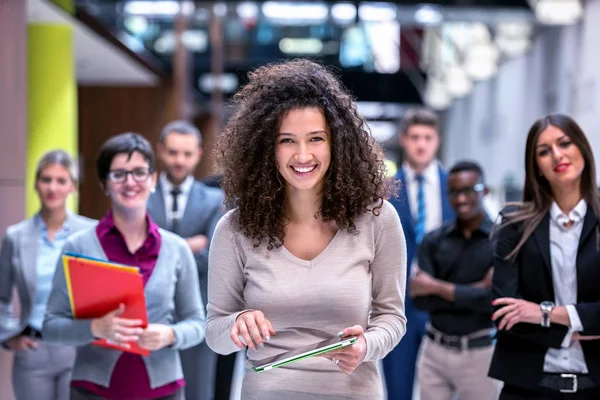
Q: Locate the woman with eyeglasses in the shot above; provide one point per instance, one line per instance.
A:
(127, 235)
(30, 249)
(547, 271)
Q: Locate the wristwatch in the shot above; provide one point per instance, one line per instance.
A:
(546, 307)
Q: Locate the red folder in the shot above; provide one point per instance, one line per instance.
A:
(98, 287)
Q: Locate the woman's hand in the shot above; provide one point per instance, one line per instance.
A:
(21, 343)
(350, 357)
(515, 311)
(115, 329)
(156, 336)
(253, 328)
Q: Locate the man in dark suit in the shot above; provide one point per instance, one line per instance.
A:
(423, 206)
(190, 209)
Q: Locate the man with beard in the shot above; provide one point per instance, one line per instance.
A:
(189, 208)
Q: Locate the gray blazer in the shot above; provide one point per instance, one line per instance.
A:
(204, 208)
(172, 298)
(18, 259)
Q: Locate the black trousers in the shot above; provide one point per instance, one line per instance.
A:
(517, 393)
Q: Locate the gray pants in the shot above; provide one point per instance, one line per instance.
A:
(199, 365)
(444, 372)
(43, 373)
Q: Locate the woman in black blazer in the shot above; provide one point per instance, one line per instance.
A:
(547, 272)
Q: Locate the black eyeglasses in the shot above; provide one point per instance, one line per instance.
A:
(120, 175)
(467, 191)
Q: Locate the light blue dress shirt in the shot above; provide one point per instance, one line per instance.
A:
(48, 253)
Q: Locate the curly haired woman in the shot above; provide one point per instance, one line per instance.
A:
(312, 248)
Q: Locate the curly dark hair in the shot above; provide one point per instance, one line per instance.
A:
(355, 182)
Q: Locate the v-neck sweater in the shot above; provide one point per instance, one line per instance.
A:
(358, 279)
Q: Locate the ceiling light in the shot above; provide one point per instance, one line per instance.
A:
(343, 12)
(377, 12)
(300, 46)
(136, 24)
(428, 15)
(152, 7)
(247, 10)
(298, 13)
(558, 12)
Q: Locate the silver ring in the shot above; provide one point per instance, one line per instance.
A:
(335, 361)
(117, 335)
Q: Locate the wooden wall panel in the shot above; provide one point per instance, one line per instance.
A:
(108, 111)
(13, 133)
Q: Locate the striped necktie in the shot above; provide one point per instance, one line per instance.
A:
(421, 210)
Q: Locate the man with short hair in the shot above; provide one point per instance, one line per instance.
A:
(422, 205)
(453, 283)
(190, 209)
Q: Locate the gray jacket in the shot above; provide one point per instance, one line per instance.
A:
(18, 259)
(204, 208)
(172, 298)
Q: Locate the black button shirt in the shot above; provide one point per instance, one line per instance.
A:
(448, 255)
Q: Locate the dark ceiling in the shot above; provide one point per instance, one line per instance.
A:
(247, 46)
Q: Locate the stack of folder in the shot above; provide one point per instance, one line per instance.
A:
(98, 287)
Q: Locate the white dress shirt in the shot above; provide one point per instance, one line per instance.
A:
(563, 254)
(432, 191)
(182, 198)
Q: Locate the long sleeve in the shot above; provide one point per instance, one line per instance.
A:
(226, 286)
(467, 296)
(387, 324)
(430, 303)
(6, 270)
(59, 324)
(216, 213)
(7, 321)
(190, 329)
(506, 284)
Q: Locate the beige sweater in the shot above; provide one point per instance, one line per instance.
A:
(309, 301)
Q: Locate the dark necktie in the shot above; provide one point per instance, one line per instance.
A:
(175, 209)
(421, 211)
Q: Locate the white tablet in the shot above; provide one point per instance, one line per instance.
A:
(302, 353)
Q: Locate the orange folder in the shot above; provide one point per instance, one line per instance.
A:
(98, 287)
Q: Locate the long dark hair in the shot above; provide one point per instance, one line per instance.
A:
(537, 193)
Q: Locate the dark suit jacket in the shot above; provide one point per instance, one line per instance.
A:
(403, 208)
(519, 356)
(204, 208)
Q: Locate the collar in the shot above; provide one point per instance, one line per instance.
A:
(107, 226)
(428, 173)
(485, 226)
(44, 228)
(167, 186)
(575, 215)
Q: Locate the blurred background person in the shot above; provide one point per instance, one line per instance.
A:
(546, 271)
(127, 235)
(312, 249)
(30, 254)
(190, 209)
(454, 285)
(423, 206)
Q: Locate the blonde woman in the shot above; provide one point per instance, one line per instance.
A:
(30, 251)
